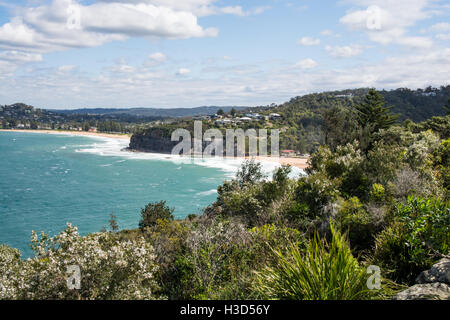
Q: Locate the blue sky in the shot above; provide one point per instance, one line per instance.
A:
(187, 53)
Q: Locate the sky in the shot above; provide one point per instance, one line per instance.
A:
(66, 54)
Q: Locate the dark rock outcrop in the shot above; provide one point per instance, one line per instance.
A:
(157, 140)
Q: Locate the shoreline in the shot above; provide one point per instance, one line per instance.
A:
(75, 133)
(301, 163)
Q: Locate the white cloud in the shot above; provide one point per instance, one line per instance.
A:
(67, 24)
(326, 32)
(388, 21)
(11, 60)
(344, 51)
(164, 88)
(306, 64)
(66, 68)
(158, 57)
(197, 7)
(142, 20)
(440, 27)
(416, 42)
(234, 10)
(237, 10)
(443, 36)
(308, 41)
(122, 67)
(20, 57)
(183, 71)
(260, 10)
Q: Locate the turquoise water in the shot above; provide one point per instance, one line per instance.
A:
(48, 180)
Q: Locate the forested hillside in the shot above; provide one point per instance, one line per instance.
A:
(302, 117)
(151, 112)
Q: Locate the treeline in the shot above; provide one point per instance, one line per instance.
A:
(23, 116)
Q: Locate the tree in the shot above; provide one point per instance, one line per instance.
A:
(220, 112)
(372, 113)
(249, 173)
(153, 212)
(233, 112)
(113, 223)
(339, 127)
(447, 107)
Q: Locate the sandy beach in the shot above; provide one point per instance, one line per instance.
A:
(295, 162)
(301, 163)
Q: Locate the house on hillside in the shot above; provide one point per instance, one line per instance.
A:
(223, 121)
(288, 153)
(274, 116)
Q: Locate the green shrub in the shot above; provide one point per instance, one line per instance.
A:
(323, 272)
(249, 173)
(415, 240)
(377, 193)
(153, 212)
(354, 219)
(427, 225)
(215, 255)
(442, 164)
(393, 255)
(313, 193)
(168, 239)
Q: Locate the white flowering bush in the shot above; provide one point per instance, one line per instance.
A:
(418, 153)
(110, 269)
(334, 164)
(9, 265)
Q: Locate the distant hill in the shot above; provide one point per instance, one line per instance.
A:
(417, 105)
(152, 112)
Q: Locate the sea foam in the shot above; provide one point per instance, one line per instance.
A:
(112, 147)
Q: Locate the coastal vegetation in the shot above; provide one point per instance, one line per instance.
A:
(376, 193)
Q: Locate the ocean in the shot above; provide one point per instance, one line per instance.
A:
(47, 180)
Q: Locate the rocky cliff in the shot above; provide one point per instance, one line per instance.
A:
(158, 140)
(155, 140)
